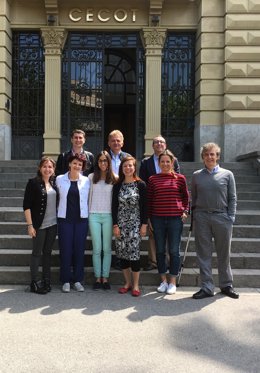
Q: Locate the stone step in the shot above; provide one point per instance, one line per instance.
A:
(248, 205)
(16, 214)
(11, 192)
(248, 187)
(18, 202)
(255, 196)
(24, 242)
(241, 185)
(248, 231)
(13, 184)
(14, 257)
(11, 201)
(249, 179)
(190, 276)
(19, 170)
(19, 163)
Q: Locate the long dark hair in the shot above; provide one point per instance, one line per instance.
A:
(42, 161)
(121, 174)
(110, 177)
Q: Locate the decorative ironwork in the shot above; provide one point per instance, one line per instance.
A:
(94, 67)
(178, 77)
(27, 95)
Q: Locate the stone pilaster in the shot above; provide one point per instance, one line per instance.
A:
(242, 82)
(209, 74)
(153, 41)
(54, 39)
(5, 80)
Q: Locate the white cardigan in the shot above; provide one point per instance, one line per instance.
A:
(63, 184)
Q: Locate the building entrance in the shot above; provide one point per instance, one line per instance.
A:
(103, 89)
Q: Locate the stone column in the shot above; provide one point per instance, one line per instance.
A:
(153, 41)
(5, 80)
(242, 78)
(54, 39)
(209, 88)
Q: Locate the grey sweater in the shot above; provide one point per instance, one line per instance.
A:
(214, 192)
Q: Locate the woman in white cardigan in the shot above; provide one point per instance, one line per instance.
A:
(73, 222)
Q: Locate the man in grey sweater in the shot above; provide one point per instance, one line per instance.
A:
(214, 203)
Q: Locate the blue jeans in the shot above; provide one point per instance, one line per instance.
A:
(100, 225)
(167, 229)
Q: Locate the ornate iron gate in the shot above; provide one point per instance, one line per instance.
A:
(85, 61)
(27, 95)
(178, 77)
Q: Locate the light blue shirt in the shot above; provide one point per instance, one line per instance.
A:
(115, 162)
(156, 163)
(214, 170)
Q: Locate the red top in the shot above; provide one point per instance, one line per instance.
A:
(167, 195)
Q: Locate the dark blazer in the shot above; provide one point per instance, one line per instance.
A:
(147, 168)
(35, 199)
(142, 202)
(62, 165)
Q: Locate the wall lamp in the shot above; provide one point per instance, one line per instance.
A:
(8, 104)
(155, 20)
(51, 20)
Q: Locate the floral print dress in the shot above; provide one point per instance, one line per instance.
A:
(127, 246)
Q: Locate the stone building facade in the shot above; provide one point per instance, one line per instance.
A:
(189, 69)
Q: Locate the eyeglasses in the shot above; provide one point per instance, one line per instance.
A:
(102, 161)
(156, 142)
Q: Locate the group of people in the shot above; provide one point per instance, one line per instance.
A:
(106, 196)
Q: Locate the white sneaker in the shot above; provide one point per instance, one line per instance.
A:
(66, 287)
(78, 287)
(171, 289)
(163, 287)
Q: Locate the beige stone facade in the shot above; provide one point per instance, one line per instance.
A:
(227, 80)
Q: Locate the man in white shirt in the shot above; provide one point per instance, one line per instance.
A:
(115, 143)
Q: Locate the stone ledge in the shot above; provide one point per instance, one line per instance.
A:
(249, 156)
(254, 157)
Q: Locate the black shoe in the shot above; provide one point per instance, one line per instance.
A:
(106, 285)
(97, 285)
(150, 267)
(36, 288)
(201, 294)
(47, 285)
(230, 292)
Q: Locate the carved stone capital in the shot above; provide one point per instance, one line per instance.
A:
(154, 38)
(53, 39)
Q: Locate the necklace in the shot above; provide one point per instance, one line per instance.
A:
(73, 178)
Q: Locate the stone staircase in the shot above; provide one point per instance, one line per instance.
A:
(15, 244)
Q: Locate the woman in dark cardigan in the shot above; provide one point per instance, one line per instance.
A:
(39, 204)
(129, 213)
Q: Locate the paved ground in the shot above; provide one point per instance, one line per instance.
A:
(108, 332)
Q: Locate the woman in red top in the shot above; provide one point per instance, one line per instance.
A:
(168, 200)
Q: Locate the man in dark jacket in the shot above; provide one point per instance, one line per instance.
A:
(150, 166)
(78, 139)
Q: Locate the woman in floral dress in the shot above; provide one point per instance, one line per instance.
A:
(129, 214)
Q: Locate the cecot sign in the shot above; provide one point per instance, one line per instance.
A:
(103, 15)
